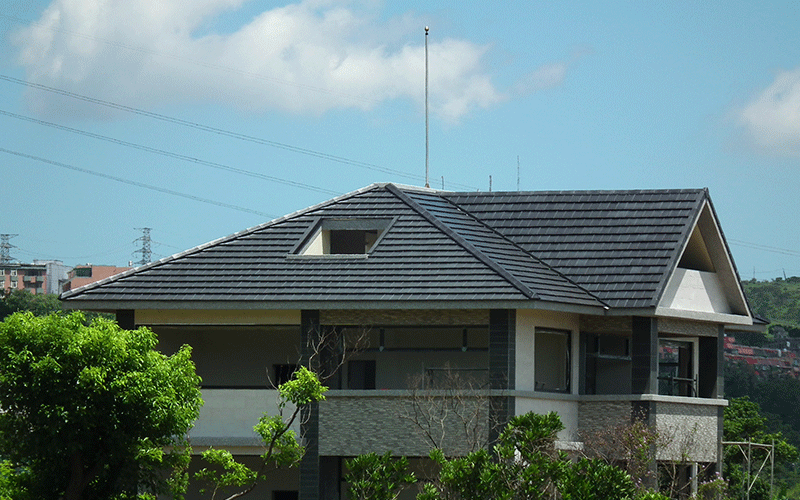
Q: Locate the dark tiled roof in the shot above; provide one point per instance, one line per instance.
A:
(620, 245)
(578, 248)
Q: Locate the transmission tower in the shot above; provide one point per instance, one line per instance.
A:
(147, 255)
(5, 248)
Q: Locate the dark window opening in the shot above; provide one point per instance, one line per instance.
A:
(552, 360)
(283, 373)
(352, 241)
(361, 374)
(285, 495)
(606, 364)
(83, 272)
(675, 370)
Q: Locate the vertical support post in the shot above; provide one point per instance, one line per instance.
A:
(749, 456)
(126, 319)
(310, 480)
(644, 355)
(644, 377)
(502, 367)
(772, 468)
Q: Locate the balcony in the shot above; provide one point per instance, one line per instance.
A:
(228, 416)
(689, 426)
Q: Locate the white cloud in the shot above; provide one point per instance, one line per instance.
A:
(772, 118)
(306, 57)
(543, 78)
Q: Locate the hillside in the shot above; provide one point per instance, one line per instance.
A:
(777, 300)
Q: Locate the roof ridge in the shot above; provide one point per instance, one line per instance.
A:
(481, 256)
(576, 191)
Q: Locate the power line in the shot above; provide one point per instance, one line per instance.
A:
(169, 153)
(219, 131)
(136, 183)
(766, 248)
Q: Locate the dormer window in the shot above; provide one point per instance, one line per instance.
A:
(343, 237)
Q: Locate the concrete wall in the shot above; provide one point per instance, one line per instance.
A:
(235, 356)
(355, 422)
(567, 409)
(691, 290)
(527, 322)
(687, 427)
(228, 416)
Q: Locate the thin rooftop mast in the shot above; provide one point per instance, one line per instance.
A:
(427, 150)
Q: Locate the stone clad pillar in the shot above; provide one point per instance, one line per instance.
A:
(502, 367)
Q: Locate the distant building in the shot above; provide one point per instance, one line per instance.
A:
(765, 361)
(43, 276)
(87, 273)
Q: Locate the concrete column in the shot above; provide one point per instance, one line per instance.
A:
(310, 463)
(644, 378)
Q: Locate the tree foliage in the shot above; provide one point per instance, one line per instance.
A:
(743, 421)
(778, 300)
(88, 409)
(23, 300)
(526, 465)
(378, 477)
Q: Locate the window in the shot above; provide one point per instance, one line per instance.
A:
(285, 495)
(676, 368)
(552, 360)
(361, 374)
(282, 373)
(343, 237)
(607, 364)
(83, 272)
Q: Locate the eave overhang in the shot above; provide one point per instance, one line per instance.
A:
(111, 306)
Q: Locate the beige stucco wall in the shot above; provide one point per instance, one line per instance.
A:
(228, 416)
(567, 410)
(215, 317)
(527, 322)
(692, 290)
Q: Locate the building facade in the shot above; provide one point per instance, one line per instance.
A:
(83, 274)
(43, 276)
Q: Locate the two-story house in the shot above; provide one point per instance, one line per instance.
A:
(603, 306)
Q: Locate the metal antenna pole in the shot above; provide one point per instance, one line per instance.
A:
(427, 148)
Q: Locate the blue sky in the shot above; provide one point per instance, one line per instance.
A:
(199, 122)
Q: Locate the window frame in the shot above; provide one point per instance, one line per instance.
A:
(567, 334)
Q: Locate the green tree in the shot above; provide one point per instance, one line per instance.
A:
(88, 410)
(743, 421)
(378, 477)
(526, 465)
(23, 300)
